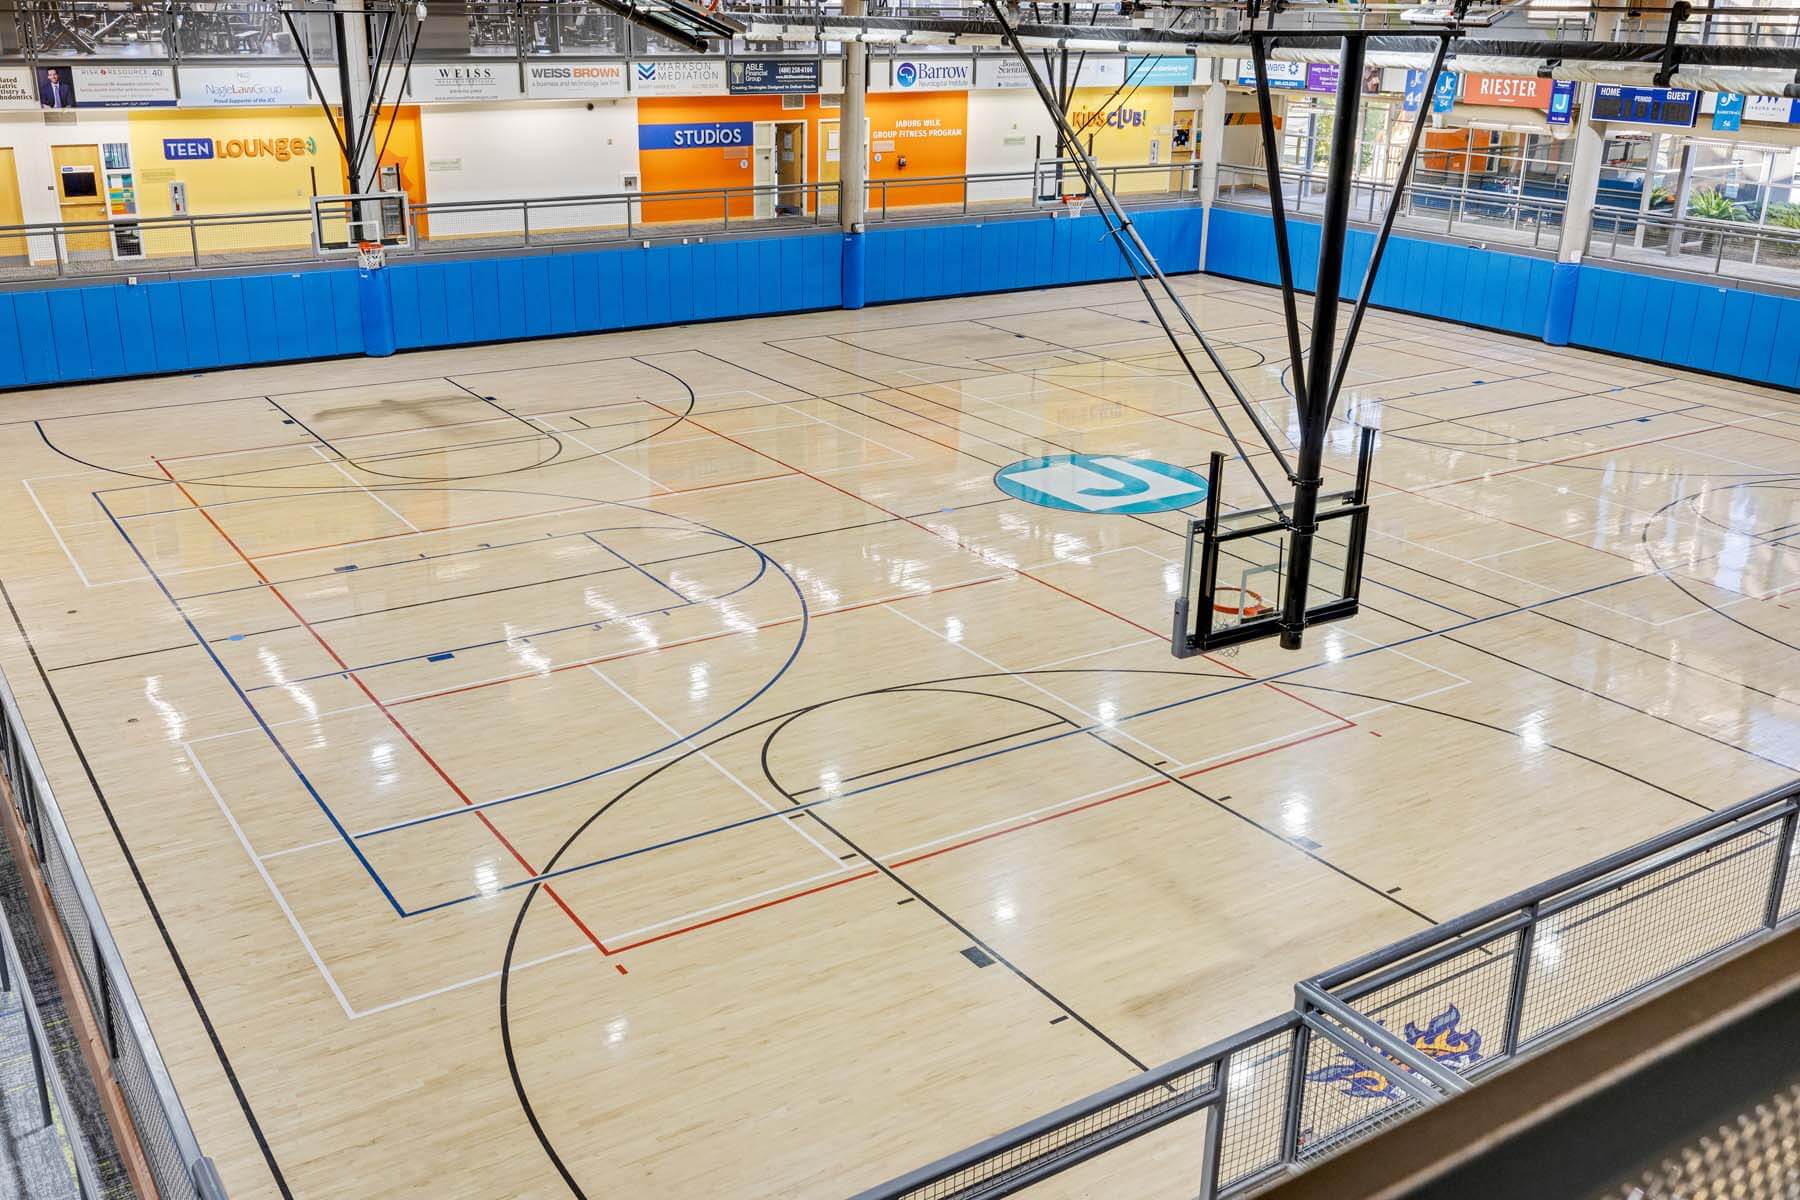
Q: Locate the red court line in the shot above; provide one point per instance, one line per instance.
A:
(1011, 829)
(392, 719)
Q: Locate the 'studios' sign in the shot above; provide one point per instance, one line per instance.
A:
(696, 135)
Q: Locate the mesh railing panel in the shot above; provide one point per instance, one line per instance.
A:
(1068, 1139)
(1790, 895)
(1341, 1100)
(164, 1155)
(1255, 1107)
(1620, 941)
(1456, 1010)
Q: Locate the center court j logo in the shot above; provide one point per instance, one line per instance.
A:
(1101, 483)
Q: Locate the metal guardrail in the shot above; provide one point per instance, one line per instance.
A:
(161, 1124)
(1376, 1039)
(158, 245)
(1731, 249)
(53, 1099)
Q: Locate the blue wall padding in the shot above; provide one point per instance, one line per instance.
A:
(921, 261)
(1559, 316)
(109, 330)
(856, 259)
(1731, 331)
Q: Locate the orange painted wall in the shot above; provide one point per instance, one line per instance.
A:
(712, 167)
(405, 147)
(930, 131)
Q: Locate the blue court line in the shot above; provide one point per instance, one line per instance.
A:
(638, 567)
(1075, 731)
(255, 715)
(761, 569)
(805, 624)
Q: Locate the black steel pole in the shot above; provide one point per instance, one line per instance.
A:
(1314, 414)
(1265, 110)
(352, 124)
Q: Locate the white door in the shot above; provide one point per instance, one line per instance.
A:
(763, 156)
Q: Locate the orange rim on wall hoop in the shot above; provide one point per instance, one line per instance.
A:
(371, 256)
(1249, 604)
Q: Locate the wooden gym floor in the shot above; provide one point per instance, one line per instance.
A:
(868, 812)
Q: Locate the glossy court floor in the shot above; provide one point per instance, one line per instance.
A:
(664, 765)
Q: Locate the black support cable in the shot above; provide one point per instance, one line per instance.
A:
(1387, 227)
(1135, 252)
(1278, 212)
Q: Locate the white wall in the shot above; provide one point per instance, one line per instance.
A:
(536, 149)
(31, 135)
(996, 116)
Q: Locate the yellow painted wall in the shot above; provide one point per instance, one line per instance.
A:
(1122, 127)
(247, 172)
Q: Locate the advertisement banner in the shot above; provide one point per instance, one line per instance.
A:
(121, 86)
(1096, 71)
(1728, 112)
(1507, 91)
(772, 76)
(1771, 109)
(1289, 75)
(992, 71)
(928, 75)
(245, 87)
(1160, 72)
(574, 81)
(443, 83)
(696, 135)
(678, 77)
(1321, 77)
(1673, 107)
(15, 88)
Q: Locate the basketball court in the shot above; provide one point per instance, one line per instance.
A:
(748, 759)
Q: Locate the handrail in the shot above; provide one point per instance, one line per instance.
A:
(111, 993)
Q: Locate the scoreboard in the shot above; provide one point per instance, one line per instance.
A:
(1675, 107)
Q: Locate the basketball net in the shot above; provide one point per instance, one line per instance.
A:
(371, 256)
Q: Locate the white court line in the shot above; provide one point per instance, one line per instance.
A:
(311, 951)
(1100, 726)
(57, 534)
(463, 983)
(718, 766)
(1143, 641)
(339, 468)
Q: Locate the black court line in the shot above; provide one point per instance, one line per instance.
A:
(912, 889)
(162, 928)
(95, 662)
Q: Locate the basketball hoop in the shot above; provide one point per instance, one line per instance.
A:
(371, 256)
(1071, 204)
(1249, 604)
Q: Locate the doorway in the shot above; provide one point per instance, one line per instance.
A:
(780, 178)
(12, 211)
(831, 158)
(78, 195)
